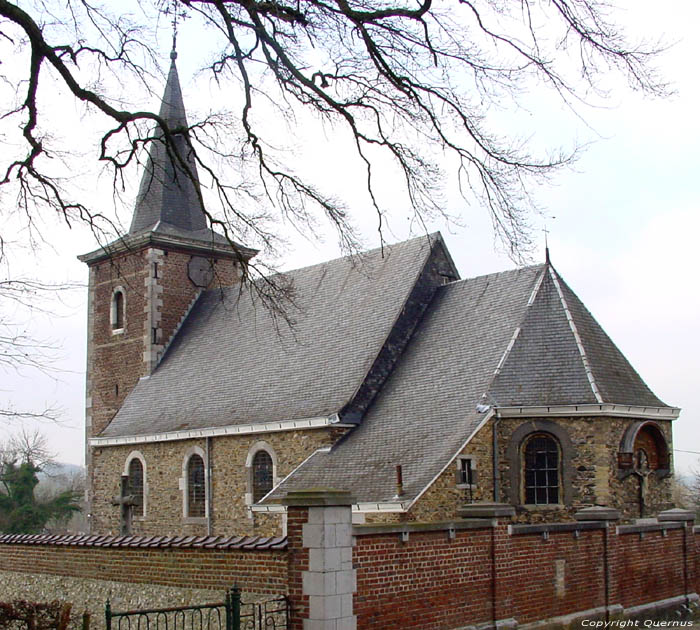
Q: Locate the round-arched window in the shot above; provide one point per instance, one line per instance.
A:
(541, 470)
(196, 488)
(136, 484)
(262, 475)
(118, 310)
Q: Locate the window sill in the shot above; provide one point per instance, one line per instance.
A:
(466, 486)
(550, 507)
(117, 331)
(194, 520)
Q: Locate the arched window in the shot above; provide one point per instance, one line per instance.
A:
(117, 314)
(135, 473)
(262, 475)
(196, 488)
(541, 470)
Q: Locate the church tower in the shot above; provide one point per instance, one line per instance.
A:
(142, 286)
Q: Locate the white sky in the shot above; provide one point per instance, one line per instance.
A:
(623, 237)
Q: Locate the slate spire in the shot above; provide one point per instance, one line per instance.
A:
(168, 197)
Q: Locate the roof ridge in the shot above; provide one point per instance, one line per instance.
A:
(497, 273)
(360, 255)
(577, 337)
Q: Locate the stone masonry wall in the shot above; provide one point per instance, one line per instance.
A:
(593, 467)
(595, 443)
(164, 496)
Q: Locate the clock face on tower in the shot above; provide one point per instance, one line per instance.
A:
(200, 271)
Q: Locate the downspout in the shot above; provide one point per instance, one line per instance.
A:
(496, 489)
(606, 570)
(210, 501)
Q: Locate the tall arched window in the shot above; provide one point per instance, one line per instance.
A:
(196, 487)
(117, 314)
(135, 473)
(262, 475)
(541, 470)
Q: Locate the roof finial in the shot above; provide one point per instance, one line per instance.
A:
(546, 244)
(177, 15)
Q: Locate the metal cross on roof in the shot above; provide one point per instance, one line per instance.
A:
(178, 14)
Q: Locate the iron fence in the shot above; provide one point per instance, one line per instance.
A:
(231, 614)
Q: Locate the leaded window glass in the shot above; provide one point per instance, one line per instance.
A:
(196, 489)
(541, 455)
(136, 484)
(262, 475)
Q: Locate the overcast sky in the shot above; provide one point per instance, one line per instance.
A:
(622, 232)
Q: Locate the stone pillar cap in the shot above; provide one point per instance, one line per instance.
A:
(676, 514)
(318, 497)
(597, 513)
(486, 510)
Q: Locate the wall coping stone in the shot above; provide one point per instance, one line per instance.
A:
(516, 530)
(318, 497)
(247, 543)
(399, 528)
(676, 514)
(640, 528)
(486, 510)
(597, 513)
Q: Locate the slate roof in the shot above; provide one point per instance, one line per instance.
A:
(232, 363)
(461, 356)
(168, 201)
(427, 408)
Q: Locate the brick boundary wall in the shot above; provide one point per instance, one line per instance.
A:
(480, 571)
(256, 565)
(487, 572)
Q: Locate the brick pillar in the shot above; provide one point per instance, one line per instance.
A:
(502, 571)
(610, 560)
(321, 578)
(687, 517)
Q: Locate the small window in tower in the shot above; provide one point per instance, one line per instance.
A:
(117, 314)
(262, 475)
(196, 488)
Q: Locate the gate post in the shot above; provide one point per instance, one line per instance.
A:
(233, 609)
(321, 578)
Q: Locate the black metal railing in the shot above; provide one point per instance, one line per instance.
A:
(231, 614)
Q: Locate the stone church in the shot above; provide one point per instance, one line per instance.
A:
(418, 391)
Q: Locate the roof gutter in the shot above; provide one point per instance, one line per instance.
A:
(243, 429)
(603, 409)
(400, 506)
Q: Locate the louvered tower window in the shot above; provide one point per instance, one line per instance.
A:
(262, 475)
(196, 489)
(136, 484)
(541, 455)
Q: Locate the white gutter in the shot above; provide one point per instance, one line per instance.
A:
(623, 411)
(242, 429)
(401, 506)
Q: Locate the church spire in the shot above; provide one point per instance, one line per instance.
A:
(169, 196)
